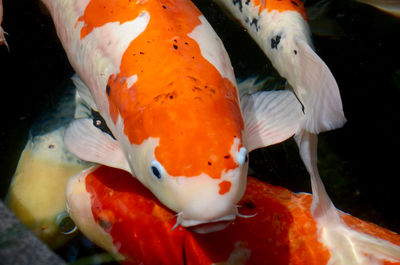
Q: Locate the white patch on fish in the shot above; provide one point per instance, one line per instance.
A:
(212, 49)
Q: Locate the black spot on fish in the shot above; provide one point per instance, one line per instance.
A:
(196, 88)
(209, 163)
(238, 2)
(100, 123)
(275, 42)
(255, 23)
(108, 90)
(141, 52)
(106, 225)
(164, 7)
(175, 46)
(227, 156)
(247, 2)
(295, 52)
(294, 3)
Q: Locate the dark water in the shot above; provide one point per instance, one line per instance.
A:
(359, 163)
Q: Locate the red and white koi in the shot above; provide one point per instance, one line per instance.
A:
(119, 214)
(280, 29)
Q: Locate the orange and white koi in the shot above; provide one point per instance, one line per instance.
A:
(283, 230)
(2, 38)
(162, 80)
(280, 29)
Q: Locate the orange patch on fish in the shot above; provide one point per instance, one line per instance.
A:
(224, 187)
(179, 96)
(282, 6)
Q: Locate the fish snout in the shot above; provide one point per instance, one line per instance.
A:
(207, 216)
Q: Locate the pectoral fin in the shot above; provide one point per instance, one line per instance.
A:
(270, 117)
(83, 92)
(89, 143)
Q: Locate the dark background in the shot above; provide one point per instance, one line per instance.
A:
(358, 163)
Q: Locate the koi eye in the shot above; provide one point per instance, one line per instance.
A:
(242, 156)
(157, 169)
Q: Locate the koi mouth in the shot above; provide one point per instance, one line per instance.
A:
(209, 226)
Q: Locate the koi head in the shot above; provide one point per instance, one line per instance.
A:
(195, 161)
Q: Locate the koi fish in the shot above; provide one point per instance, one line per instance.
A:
(280, 29)
(161, 79)
(391, 7)
(2, 38)
(119, 214)
(37, 191)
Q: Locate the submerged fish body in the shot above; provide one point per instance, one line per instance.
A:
(37, 191)
(160, 77)
(280, 28)
(282, 230)
(391, 7)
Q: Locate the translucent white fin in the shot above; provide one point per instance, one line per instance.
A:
(89, 143)
(83, 92)
(307, 143)
(82, 109)
(318, 91)
(346, 246)
(250, 85)
(270, 117)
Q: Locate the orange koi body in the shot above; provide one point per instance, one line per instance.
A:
(283, 230)
(162, 81)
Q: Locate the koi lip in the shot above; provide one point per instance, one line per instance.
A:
(202, 226)
(210, 227)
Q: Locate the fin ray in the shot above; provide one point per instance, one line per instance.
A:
(270, 117)
(83, 92)
(89, 143)
(318, 91)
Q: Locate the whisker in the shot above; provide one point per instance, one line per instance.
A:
(178, 221)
